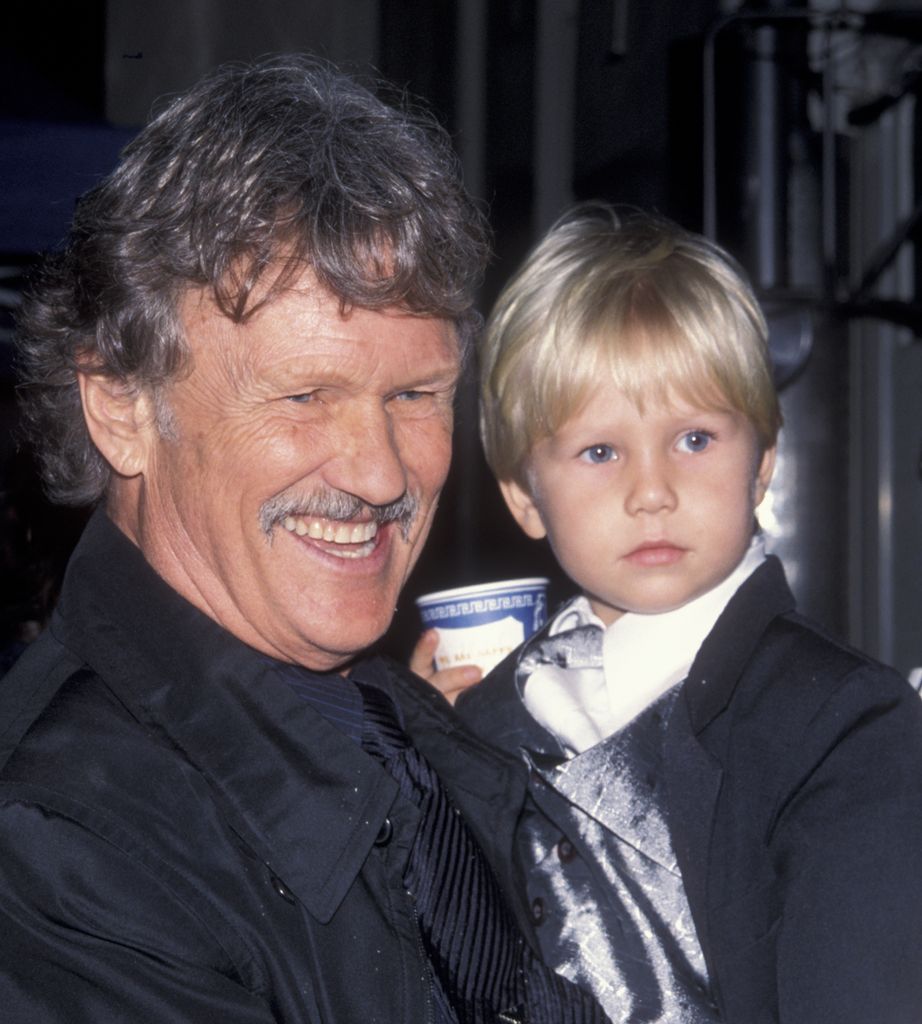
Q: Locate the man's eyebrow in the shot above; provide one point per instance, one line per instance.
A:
(438, 375)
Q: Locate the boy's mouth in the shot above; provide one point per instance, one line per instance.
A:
(655, 553)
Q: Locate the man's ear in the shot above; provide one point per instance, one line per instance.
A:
(120, 420)
(523, 508)
(764, 474)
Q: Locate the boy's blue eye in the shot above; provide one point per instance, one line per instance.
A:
(598, 453)
(695, 441)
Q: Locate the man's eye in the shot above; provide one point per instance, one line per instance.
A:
(301, 399)
(411, 396)
(598, 453)
(695, 441)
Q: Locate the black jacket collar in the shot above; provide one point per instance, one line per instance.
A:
(276, 765)
(728, 647)
(301, 793)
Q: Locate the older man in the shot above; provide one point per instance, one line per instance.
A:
(212, 806)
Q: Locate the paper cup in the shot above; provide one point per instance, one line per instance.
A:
(480, 625)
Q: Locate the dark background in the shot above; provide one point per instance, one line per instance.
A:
(786, 132)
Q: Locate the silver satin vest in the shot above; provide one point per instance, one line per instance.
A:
(605, 889)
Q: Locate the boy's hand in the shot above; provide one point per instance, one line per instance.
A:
(451, 682)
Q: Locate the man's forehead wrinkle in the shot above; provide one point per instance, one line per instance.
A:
(303, 338)
(347, 362)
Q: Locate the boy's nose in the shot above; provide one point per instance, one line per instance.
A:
(650, 489)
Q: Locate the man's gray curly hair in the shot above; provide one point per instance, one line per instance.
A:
(286, 159)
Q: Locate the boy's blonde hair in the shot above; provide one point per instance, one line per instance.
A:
(661, 311)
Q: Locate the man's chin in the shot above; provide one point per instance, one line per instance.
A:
(336, 653)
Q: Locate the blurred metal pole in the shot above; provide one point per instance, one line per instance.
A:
(471, 92)
(765, 144)
(555, 113)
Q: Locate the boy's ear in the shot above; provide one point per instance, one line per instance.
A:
(764, 474)
(523, 509)
(120, 420)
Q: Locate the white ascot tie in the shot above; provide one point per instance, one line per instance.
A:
(564, 685)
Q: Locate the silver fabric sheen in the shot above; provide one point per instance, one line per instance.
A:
(608, 894)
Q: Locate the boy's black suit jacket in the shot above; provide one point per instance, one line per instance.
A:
(794, 775)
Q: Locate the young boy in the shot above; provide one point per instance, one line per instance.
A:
(724, 813)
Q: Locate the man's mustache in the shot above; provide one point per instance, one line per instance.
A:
(340, 506)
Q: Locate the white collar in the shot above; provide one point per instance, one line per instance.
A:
(642, 657)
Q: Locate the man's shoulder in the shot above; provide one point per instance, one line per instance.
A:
(82, 771)
(56, 713)
(30, 686)
(425, 710)
(439, 729)
(70, 747)
(91, 795)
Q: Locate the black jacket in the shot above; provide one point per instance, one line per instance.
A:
(184, 839)
(794, 775)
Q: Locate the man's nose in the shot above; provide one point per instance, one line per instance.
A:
(650, 487)
(369, 462)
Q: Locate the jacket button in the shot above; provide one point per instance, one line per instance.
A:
(282, 889)
(566, 851)
(384, 833)
(537, 910)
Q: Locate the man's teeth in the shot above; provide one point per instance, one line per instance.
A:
(334, 533)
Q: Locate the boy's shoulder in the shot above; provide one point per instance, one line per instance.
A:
(763, 660)
(494, 709)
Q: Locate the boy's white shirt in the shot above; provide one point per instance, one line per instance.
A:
(642, 657)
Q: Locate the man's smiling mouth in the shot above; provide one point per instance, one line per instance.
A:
(348, 540)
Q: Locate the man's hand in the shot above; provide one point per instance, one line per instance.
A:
(451, 682)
